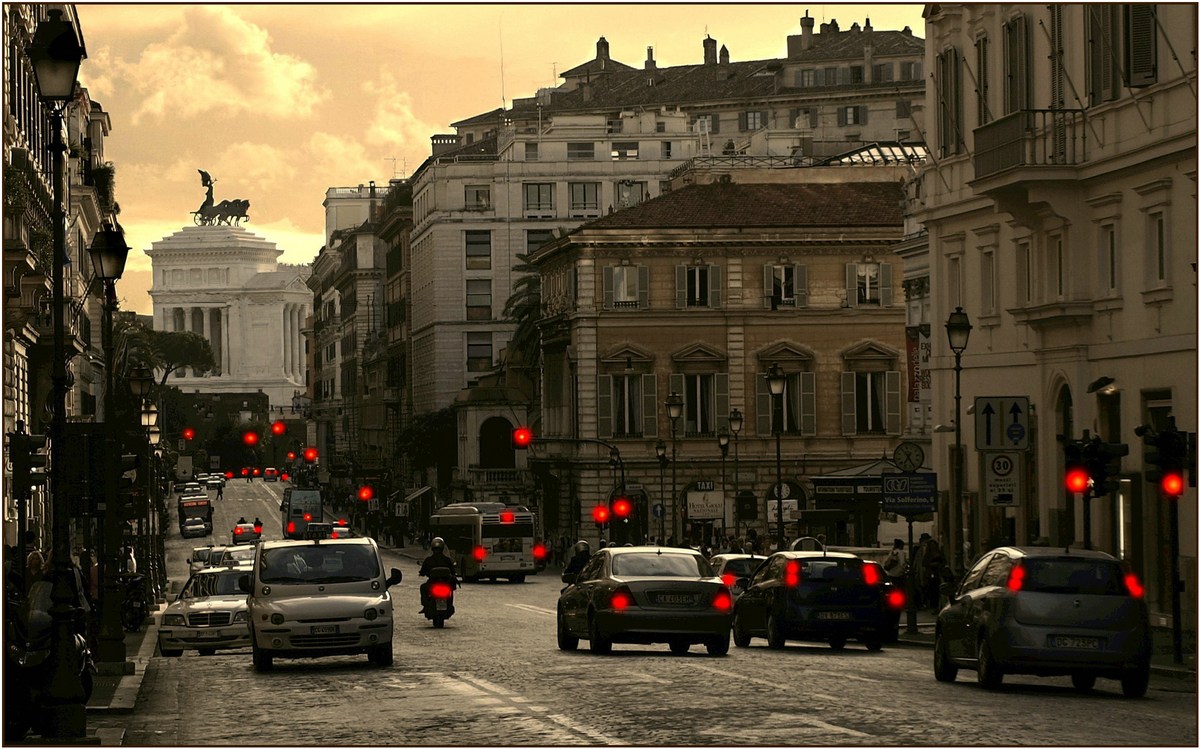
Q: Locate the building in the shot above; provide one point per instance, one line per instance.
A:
(1060, 214)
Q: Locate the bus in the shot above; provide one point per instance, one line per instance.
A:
(191, 506)
(299, 508)
(489, 539)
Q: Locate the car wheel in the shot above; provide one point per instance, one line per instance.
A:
(837, 643)
(741, 637)
(943, 668)
(874, 644)
(381, 655)
(597, 643)
(518, 578)
(208, 651)
(1135, 682)
(263, 660)
(1083, 682)
(566, 640)
(775, 638)
(717, 646)
(988, 672)
(679, 647)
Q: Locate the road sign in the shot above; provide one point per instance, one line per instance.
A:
(1002, 479)
(657, 510)
(1002, 423)
(909, 493)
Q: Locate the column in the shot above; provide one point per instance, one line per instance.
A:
(228, 323)
(287, 340)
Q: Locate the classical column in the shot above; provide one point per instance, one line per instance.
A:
(289, 344)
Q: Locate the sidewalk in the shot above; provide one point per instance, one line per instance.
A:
(116, 692)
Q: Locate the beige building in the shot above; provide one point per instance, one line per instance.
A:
(1061, 216)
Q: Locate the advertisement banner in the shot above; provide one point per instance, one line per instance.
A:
(705, 505)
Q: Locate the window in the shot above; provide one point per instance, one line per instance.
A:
(830, 77)
(910, 71)
(987, 282)
(535, 238)
(1141, 38)
(331, 352)
(870, 399)
(954, 280)
(1108, 258)
(479, 352)
(856, 73)
(1157, 243)
(630, 193)
(666, 149)
(1058, 262)
(585, 198)
(799, 405)
(881, 72)
(869, 284)
(626, 405)
(581, 151)
(803, 117)
(752, 120)
(479, 299)
(949, 102)
(853, 115)
(531, 151)
(903, 108)
(1024, 273)
(660, 127)
(709, 123)
(1016, 65)
(699, 405)
(626, 287)
(479, 249)
(785, 285)
(624, 151)
(981, 72)
(808, 77)
(539, 197)
(697, 286)
(613, 126)
(478, 197)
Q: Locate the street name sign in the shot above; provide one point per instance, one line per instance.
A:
(1002, 423)
(909, 493)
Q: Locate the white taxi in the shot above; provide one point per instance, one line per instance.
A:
(209, 614)
(319, 597)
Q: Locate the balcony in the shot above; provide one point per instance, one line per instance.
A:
(1046, 139)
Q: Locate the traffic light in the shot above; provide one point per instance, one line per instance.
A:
(291, 456)
(250, 438)
(366, 493)
(621, 508)
(747, 506)
(521, 437)
(189, 433)
(1077, 477)
(310, 454)
(600, 515)
(1167, 450)
(1103, 460)
(28, 462)
(278, 428)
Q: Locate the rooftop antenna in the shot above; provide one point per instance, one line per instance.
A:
(500, 29)
(393, 160)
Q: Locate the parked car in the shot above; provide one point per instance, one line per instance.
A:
(210, 614)
(820, 596)
(270, 474)
(194, 528)
(733, 567)
(645, 595)
(1046, 612)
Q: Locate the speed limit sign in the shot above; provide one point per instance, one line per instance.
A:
(1002, 478)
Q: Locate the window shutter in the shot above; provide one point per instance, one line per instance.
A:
(715, 120)
(841, 116)
(714, 286)
(862, 115)
(604, 406)
(762, 118)
(768, 285)
(849, 397)
(808, 404)
(851, 284)
(892, 405)
(1140, 45)
(793, 115)
(721, 396)
(885, 284)
(680, 286)
(608, 287)
(743, 121)
(643, 287)
(762, 405)
(800, 274)
(649, 405)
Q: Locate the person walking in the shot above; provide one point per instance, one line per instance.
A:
(933, 565)
(915, 570)
(895, 565)
(221, 491)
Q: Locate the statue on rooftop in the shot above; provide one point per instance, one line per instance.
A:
(228, 212)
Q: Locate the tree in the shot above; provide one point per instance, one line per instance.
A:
(524, 307)
(167, 351)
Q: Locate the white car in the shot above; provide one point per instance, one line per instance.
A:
(210, 614)
(199, 558)
(319, 597)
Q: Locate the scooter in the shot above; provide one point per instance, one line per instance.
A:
(438, 595)
(133, 608)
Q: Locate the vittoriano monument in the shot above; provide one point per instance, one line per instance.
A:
(230, 212)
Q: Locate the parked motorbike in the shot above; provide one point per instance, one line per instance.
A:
(133, 608)
(437, 595)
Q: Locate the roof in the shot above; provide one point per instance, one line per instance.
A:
(848, 44)
(275, 279)
(486, 118)
(595, 66)
(647, 550)
(817, 554)
(713, 205)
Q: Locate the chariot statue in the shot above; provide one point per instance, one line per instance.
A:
(228, 212)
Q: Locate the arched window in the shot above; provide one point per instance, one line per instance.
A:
(495, 444)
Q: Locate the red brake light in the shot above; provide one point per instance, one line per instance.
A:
(237, 530)
(621, 600)
(285, 477)
(479, 553)
(722, 601)
(229, 474)
(308, 517)
(1016, 578)
(791, 574)
(870, 574)
(1134, 586)
(333, 534)
(341, 521)
(256, 471)
(729, 579)
(440, 590)
(507, 517)
(895, 598)
(291, 526)
(539, 552)
(245, 471)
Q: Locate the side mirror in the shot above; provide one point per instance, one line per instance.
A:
(245, 584)
(948, 590)
(395, 577)
(569, 578)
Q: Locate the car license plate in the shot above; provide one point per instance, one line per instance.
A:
(675, 599)
(506, 559)
(325, 629)
(1067, 641)
(833, 614)
(210, 635)
(441, 604)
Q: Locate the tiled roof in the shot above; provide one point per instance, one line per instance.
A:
(845, 45)
(748, 205)
(595, 66)
(487, 118)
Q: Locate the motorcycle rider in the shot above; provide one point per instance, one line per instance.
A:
(583, 552)
(437, 558)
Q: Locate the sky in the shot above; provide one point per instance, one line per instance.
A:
(281, 102)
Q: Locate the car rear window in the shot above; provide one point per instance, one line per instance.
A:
(742, 567)
(831, 570)
(653, 564)
(1083, 576)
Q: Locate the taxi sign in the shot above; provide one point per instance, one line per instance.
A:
(318, 531)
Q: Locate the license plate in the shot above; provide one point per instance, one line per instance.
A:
(675, 599)
(506, 558)
(1080, 643)
(441, 604)
(211, 635)
(325, 629)
(833, 615)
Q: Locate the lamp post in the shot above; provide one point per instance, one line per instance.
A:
(56, 54)
(723, 443)
(735, 427)
(660, 450)
(141, 379)
(776, 382)
(958, 331)
(108, 251)
(674, 411)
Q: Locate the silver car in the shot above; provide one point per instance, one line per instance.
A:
(209, 614)
(1046, 612)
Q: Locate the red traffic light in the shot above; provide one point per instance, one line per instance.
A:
(291, 455)
(1171, 484)
(1077, 480)
(278, 428)
(366, 493)
(522, 437)
(250, 438)
(310, 454)
(257, 471)
(189, 433)
(245, 471)
(600, 514)
(622, 507)
(229, 474)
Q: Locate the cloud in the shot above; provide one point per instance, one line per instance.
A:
(217, 62)
(394, 124)
(341, 161)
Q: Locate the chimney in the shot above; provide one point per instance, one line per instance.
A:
(806, 31)
(868, 28)
(854, 26)
(824, 28)
(906, 31)
(724, 58)
(650, 64)
(833, 27)
(710, 50)
(602, 49)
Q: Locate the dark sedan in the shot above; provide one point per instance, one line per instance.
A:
(645, 595)
(812, 595)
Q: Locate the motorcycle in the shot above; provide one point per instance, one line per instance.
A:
(133, 608)
(438, 595)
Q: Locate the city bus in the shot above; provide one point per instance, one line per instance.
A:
(489, 539)
(299, 508)
(191, 506)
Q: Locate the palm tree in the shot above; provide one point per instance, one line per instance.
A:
(524, 307)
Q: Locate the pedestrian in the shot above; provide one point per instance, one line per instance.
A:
(128, 562)
(933, 565)
(221, 491)
(895, 565)
(35, 568)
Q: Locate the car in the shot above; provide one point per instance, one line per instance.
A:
(270, 474)
(320, 597)
(340, 528)
(645, 595)
(199, 557)
(209, 614)
(194, 528)
(733, 567)
(821, 596)
(1046, 612)
(245, 533)
(214, 481)
(194, 487)
(223, 556)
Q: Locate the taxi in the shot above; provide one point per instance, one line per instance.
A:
(209, 614)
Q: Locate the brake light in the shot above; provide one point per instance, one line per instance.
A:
(729, 579)
(870, 574)
(341, 521)
(1134, 586)
(237, 531)
(507, 517)
(895, 598)
(333, 534)
(539, 552)
(791, 574)
(722, 601)
(1016, 578)
(621, 599)
(479, 553)
(440, 590)
(308, 517)
(291, 526)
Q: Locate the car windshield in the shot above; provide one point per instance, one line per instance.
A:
(742, 567)
(653, 564)
(243, 554)
(1083, 576)
(301, 564)
(222, 584)
(831, 570)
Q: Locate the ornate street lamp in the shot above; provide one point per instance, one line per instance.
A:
(141, 380)
(735, 426)
(674, 411)
(723, 444)
(660, 450)
(958, 331)
(56, 54)
(776, 382)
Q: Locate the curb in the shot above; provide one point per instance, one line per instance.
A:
(125, 697)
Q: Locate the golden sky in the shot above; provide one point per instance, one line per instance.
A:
(280, 102)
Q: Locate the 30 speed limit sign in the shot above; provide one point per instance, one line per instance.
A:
(1002, 478)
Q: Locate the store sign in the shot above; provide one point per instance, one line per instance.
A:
(705, 505)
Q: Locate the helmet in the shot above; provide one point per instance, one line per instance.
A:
(437, 544)
(582, 547)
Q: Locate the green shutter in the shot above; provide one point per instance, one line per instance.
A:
(849, 399)
(714, 286)
(604, 406)
(800, 274)
(715, 121)
(808, 404)
(851, 284)
(680, 286)
(608, 287)
(721, 393)
(643, 287)
(885, 284)
(743, 121)
(1142, 55)
(892, 402)
(841, 113)
(649, 405)
(762, 405)
(768, 285)
(862, 115)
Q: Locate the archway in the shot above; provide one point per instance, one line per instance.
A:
(495, 444)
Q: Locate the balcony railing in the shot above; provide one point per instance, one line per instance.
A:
(480, 477)
(1031, 137)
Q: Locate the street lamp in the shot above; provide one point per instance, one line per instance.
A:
(958, 331)
(56, 54)
(660, 449)
(723, 443)
(141, 379)
(735, 426)
(108, 251)
(777, 381)
(674, 411)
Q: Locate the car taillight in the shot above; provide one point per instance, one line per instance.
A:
(1016, 578)
(237, 531)
(539, 552)
(791, 574)
(621, 599)
(333, 534)
(308, 517)
(341, 521)
(479, 553)
(895, 598)
(870, 574)
(291, 527)
(729, 579)
(722, 601)
(1134, 586)
(440, 590)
